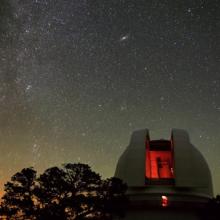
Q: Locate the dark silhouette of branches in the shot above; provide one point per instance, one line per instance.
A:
(18, 200)
(212, 211)
(73, 191)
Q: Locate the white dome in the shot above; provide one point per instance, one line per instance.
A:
(191, 174)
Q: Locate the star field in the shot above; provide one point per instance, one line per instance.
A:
(77, 77)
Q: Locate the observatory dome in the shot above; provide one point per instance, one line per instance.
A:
(170, 167)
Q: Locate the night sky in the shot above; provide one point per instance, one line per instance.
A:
(78, 76)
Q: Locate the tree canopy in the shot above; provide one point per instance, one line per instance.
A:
(72, 191)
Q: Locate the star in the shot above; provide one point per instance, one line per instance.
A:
(28, 87)
(124, 38)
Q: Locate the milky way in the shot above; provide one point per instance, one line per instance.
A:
(77, 77)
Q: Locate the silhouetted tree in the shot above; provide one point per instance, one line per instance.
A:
(62, 192)
(113, 193)
(212, 211)
(73, 191)
(18, 200)
(49, 192)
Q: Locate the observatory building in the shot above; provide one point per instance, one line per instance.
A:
(167, 179)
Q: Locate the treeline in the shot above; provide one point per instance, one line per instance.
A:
(72, 191)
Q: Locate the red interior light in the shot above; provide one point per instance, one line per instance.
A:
(164, 201)
(159, 161)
